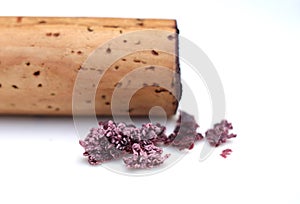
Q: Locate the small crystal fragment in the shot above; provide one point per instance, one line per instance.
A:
(145, 156)
(219, 133)
(225, 153)
(185, 133)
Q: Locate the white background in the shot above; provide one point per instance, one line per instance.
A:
(255, 47)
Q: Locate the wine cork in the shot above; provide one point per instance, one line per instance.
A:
(41, 58)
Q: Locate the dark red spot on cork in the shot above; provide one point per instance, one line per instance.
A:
(108, 50)
(118, 85)
(150, 68)
(171, 37)
(89, 29)
(137, 61)
(154, 52)
(37, 73)
(19, 19)
(110, 26)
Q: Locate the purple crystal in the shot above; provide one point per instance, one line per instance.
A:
(219, 133)
(185, 133)
(98, 149)
(145, 155)
(138, 146)
(112, 140)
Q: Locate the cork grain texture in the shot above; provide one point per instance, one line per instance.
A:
(41, 57)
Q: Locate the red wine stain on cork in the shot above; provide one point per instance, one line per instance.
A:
(19, 19)
(89, 29)
(154, 52)
(56, 34)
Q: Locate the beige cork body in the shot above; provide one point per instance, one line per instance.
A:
(40, 59)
